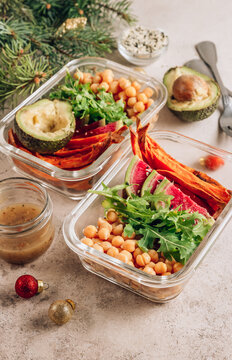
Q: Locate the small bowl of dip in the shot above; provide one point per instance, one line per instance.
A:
(26, 227)
(142, 46)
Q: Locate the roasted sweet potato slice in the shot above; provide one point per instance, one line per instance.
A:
(196, 182)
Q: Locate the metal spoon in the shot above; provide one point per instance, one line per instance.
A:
(207, 51)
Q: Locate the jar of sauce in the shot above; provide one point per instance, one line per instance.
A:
(26, 227)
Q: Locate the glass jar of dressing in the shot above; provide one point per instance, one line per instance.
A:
(26, 227)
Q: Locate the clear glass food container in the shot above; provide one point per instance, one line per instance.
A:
(74, 184)
(153, 287)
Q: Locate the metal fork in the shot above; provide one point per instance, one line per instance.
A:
(208, 53)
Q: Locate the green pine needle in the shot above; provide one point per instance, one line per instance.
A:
(32, 26)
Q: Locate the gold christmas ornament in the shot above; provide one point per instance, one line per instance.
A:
(61, 311)
(72, 24)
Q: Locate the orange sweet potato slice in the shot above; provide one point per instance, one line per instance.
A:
(194, 181)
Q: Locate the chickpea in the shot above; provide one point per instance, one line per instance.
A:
(130, 91)
(131, 101)
(129, 245)
(169, 265)
(97, 241)
(78, 75)
(154, 255)
(177, 267)
(118, 230)
(127, 253)
(134, 118)
(90, 231)
(112, 216)
(107, 76)
(87, 78)
(130, 112)
(149, 102)
(151, 264)
(113, 251)
(129, 237)
(94, 87)
(142, 97)
(122, 257)
(136, 85)
(124, 83)
(160, 268)
(97, 79)
(148, 92)
(104, 85)
(137, 252)
(162, 259)
(149, 270)
(87, 241)
(103, 233)
(143, 259)
(103, 223)
(106, 245)
(139, 107)
(114, 87)
(98, 247)
(122, 95)
(111, 237)
(117, 241)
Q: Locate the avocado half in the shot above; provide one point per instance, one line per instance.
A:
(45, 126)
(193, 110)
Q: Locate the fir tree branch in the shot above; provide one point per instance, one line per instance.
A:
(32, 50)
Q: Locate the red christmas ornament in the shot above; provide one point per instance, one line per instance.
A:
(27, 286)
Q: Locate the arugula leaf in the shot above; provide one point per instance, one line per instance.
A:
(88, 105)
(177, 233)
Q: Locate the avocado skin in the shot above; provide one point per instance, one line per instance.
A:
(37, 145)
(193, 115)
(196, 115)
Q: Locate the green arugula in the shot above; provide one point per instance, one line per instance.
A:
(174, 232)
(88, 105)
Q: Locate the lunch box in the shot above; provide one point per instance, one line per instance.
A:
(74, 184)
(153, 287)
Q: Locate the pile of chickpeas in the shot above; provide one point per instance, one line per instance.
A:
(108, 237)
(135, 101)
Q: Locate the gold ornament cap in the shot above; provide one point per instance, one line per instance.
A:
(72, 303)
(41, 286)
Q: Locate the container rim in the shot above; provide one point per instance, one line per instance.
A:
(98, 164)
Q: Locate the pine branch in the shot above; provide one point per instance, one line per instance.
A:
(14, 30)
(85, 42)
(33, 48)
(20, 72)
(16, 9)
(102, 10)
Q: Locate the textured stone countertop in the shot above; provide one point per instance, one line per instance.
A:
(111, 322)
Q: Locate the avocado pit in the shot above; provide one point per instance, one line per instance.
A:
(189, 87)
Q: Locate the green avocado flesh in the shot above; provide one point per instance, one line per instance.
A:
(191, 110)
(45, 126)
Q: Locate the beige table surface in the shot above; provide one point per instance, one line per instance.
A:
(110, 322)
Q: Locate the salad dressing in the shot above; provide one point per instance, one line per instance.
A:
(27, 236)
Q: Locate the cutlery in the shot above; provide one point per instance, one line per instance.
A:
(207, 52)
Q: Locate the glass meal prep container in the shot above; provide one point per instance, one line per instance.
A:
(74, 184)
(153, 287)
